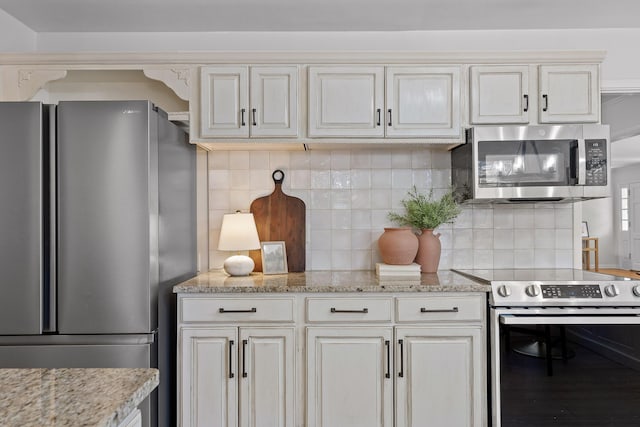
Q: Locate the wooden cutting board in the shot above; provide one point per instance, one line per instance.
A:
(281, 218)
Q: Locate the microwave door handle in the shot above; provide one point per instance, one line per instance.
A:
(582, 162)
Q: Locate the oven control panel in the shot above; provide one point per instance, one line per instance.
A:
(565, 294)
(571, 291)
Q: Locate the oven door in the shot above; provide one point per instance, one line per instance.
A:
(571, 367)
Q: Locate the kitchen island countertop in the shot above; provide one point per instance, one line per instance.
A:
(72, 397)
(217, 281)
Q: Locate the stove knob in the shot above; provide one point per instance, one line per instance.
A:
(636, 290)
(504, 291)
(532, 290)
(611, 290)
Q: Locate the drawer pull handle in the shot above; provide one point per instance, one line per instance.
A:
(231, 359)
(364, 310)
(545, 98)
(446, 310)
(252, 310)
(526, 103)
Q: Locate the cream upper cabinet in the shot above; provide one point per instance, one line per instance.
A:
(346, 101)
(243, 102)
(349, 381)
(423, 102)
(434, 364)
(224, 101)
(499, 94)
(274, 101)
(569, 93)
(352, 102)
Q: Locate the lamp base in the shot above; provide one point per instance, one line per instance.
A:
(239, 265)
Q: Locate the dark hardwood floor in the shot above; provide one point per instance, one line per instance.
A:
(586, 391)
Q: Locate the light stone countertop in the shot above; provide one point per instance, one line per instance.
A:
(72, 397)
(217, 281)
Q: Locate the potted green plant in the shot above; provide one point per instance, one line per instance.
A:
(424, 213)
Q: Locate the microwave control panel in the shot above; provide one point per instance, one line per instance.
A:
(596, 160)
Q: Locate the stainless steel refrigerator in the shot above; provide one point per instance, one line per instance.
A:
(97, 223)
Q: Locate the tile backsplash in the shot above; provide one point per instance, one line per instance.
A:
(348, 195)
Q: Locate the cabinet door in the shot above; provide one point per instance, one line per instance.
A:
(439, 378)
(349, 382)
(224, 101)
(267, 371)
(346, 101)
(423, 101)
(569, 94)
(500, 94)
(274, 101)
(208, 379)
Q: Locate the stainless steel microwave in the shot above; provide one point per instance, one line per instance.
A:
(508, 164)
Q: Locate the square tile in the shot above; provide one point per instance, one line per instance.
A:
(483, 238)
(503, 258)
(381, 178)
(523, 239)
(401, 179)
(361, 178)
(239, 160)
(503, 239)
(218, 160)
(340, 159)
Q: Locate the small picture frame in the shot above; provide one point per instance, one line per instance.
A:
(274, 258)
(585, 229)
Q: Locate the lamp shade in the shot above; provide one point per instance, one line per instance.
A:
(238, 233)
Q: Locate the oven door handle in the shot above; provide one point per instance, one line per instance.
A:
(511, 319)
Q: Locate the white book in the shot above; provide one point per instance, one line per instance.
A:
(382, 267)
(387, 270)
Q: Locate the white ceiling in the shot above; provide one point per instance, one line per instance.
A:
(319, 15)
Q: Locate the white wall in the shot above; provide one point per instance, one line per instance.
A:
(621, 67)
(14, 35)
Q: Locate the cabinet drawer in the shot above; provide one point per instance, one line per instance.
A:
(349, 310)
(237, 310)
(434, 308)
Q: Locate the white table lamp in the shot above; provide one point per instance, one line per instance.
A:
(238, 233)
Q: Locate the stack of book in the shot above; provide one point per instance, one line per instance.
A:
(388, 271)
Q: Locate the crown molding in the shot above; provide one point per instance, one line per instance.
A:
(102, 60)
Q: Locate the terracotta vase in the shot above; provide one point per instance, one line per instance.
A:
(398, 246)
(428, 251)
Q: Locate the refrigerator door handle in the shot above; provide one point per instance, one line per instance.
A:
(51, 286)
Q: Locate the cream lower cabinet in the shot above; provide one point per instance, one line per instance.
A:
(374, 360)
(439, 382)
(230, 375)
(349, 382)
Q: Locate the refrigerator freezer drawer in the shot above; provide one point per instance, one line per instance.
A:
(77, 356)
